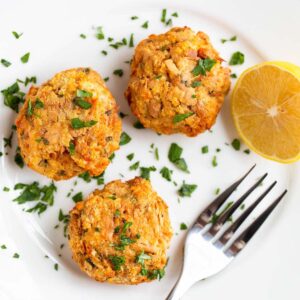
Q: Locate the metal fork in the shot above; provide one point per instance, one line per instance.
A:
(205, 251)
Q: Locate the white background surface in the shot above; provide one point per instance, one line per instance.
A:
(269, 268)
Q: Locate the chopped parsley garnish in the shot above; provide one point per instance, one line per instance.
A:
(145, 172)
(8, 140)
(131, 41)
(180, 117)
(156, 274)
(166, 173)
(175, 15)
(124, 139)
(30, 80)
(217, 191)
(232, 39)
(85, 176)
(233, 75)
(16, 255)
(196, 83)
(214, 161)
(183, 226)
(13, 96)
(247, 151)
(99, 33)
(138, 125)
(83, 36)
(145, 25)
(186, 190)
(236, 144)
(169, 22)
(76, 123)
(64, 218)
(134, 17)
(134, 166)
(130, 156)
(6, 189)
(19, 159)
(82, 103)
(83, 94)
(78, 197)
(156, 154)
(72, 148)
(5, 63)
(17, 35)
(237, 58)
(116, 261)
(242, 206)
(174, 156)
(104, 52)
(163, 15)
(25, 58)
(204, 149)
(56, 267)
(106, 79)
(118, 72)
(203, 66)
(3, 247)
(117, 213)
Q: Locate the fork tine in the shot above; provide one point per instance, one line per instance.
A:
(248, 233)
(225, 237)
(229, 212)
(206, 214)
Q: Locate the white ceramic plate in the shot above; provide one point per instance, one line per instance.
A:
(268, 269)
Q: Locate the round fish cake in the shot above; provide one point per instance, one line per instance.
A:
(177, 82)
(120, 234)
(69, 125)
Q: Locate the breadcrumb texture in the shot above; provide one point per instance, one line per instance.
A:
(97, 224)
(161, 82)
(45, 135)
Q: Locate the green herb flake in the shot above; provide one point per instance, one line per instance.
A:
(19, 159)
(78, 197)
(82, 103)
(72, 148)
(5, 189)
(30, 80)
(204, 149)
(186, 190)
(134, 17)
(135, 166)
(131, 41)
(140, 258)
(124, 139)
(16, 255)
(83, 36)
(17, 35)
(180, 117)
(56, 267)
(203, 66)
(8, 140)
(163, 15)
(3, 247)
(183, 226)
(116, 261)
(13, 96)
(85, 176)
(5, 63)
(156, 154)
(76, 123)
(233, 75)
(99, 33)
(130, 156)
(214, 161)
(145, 172)
(236, 144)
(247, 151)
(175, 152)
(83, 94)
(106, 79)
(104, 52)
(217, 191)
(25, 58)
(196, 83)
(175, 15)
(237, 58)
(156, 274)
(166, 173)
(118, 72)
(145, 25)
(138, 125)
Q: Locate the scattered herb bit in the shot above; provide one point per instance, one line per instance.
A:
(237, 58)
(83, 94)
(82, 103)
(217, 191)
(13, 96)
(83, 36)
(166, 173)
(163, 15)
(247, 151)
(232, 39)
(5, 63)
(78, 197)
(134, 17)
(186, 190)
(236, 144)
(17, 35)
(85, 176)
(56, 267)
(175, 15)
(18, 158)
(25, 58)
(124, 139)
(145, 25)
(104, 52)
(72, 148)
(174, 156)
(3, 247)
(106, 79)
(130, 156)
(99, 178)
(110, 39)
(99, 33)
(181, 164)
(183, 226)
(134, 166)
(214, 161)
(117, 261)
(8, 140)
(76, 123)
(242, 206)
(156, 274)
(233, 75)
(218, 150)
(145, 172)
(131, 41)
(156, 154)
(118, 72)
(122, 115)
(196, 83)
(138, 125)
(64, 218)
(180, 117)
(5, 189)
(204, 149)
(16, 255)
(203, 66)
(169, 22)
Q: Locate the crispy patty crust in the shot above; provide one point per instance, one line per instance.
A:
(69, 125)
(177, 82)
(120, 234)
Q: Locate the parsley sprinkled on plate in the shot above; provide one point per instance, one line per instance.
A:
(130, 156)
(99, 33)
(163, 15)
(25, 58)
(8, 140)
(134, 17)
(116, 261)
(175, 15)
(236, 144)
(196, 83)
(19, 159)
(135, 166)
(77, 197)
(186, 190)
(180, 117)
(83, 36)
(16, 255)
(214, 161)
(232, 39)
(247, 151)
(71, 148)
(183, 226)
(13, 96)
(217, 191)
(131, 41)
(145, 172)
(118, 72)
(145, 25)
(76, 123)
(204, 149)
(5, 63)
(237, 58)
(17, 35)
(174, 156)
(56, 267)
(3, 247)
(138, 125)
(203, 66)
(104, 52)
(124, 139)
(166, 173)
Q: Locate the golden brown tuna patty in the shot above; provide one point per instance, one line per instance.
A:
(120, 234)
(177, 83)
(69, 125)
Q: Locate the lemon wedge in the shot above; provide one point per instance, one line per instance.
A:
(265, 106)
